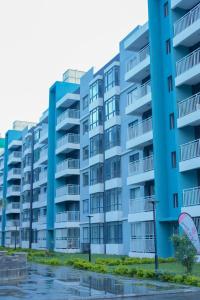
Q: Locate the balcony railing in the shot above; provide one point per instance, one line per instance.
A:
(44, 131)
(142, 245)
(13, 189)
(69, 189)
(10, 223)
(139, 92)
(190, 150)
(188, 19)
(69, 113)
(43, 175)
(69, 163)
(14, 171)
(42, 197)
(141, 166)
(15, 154)
(189, 105)
(141, 204)
(73, 138)
(68, 216)
(67, 243)
(140, 128)
(42, 219)
(13, 205)
(191, 197)
(141, 55)
(43, 152)
(188, 62)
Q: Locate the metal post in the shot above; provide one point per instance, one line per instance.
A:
(90, 238)
(155, 237)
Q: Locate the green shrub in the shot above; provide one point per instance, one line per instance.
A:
(121, 270)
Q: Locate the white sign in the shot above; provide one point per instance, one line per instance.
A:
(186, 222)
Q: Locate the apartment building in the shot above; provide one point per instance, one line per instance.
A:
(111, 143)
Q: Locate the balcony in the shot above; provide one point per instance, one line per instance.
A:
(43, 177)
(141, 209)
(138, 67)
(44, 116)
(68, 167)
(68, 119)
(189, 111)
(12, 224)
(68, 100)
(184, 4)
(14, 173)
(191, 201)
(13, 191)
(187, 29)
(139, 100)
(44, 134)
(188, 69)
(138, 38)
(14, 157)
(69, 192)
(67, 243)
(140, 134)
(68, 143)
(142, 245)
(141, 171)
(15, 144)
(43, 156)
(12, 208)
(42, 220)
(67, 219)
(190, 156)
(42, 201)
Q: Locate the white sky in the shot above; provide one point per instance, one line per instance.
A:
(40, 39)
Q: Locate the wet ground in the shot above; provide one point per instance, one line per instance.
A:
(63, 283)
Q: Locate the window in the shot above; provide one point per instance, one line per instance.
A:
(85, 102)
(112, 137)
(97, 233)
(166, 9)
(96, 174)
(86, 206)
(134, 157)
(168, 46)
(96, 203)
(111, 78)
(85, 126)
(170, 84)
(173, 159)
(96, 90)
(111, 107)
(96, 145)
(96, 117)
(85, 152)
(175, 200)
(85, 179)
(134, 193)
(114, 233)
(113, 167)
(171, 121)
(113, 199)
(85, 234)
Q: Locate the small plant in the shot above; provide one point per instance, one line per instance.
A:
(185, 252)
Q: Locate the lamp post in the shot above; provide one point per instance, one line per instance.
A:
(15, 235)
(153, 202)
(90, 237)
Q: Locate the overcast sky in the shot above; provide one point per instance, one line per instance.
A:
(40, 39)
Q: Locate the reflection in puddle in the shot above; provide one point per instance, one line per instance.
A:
(63, 283)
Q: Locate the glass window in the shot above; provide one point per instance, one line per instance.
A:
(85, 126)
(111, 78)
(112, 137)
(171, 121)
(168, 46)
(113, 167)
(96, 203)
(113, 199)
(96, 174)
(85, 152)
(96, 117)
(114, 233)
(112, 107)
(97, 233)
(175, 200)
(85, 179)
(170, 83)
(85, 102)
(96, 145)
(166, 9)
(86, 206)
(96, 90)
(173, 159)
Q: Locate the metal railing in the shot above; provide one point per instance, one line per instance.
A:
(73, 138)
(141, 204)
(188, 62)
(13, 205)
(69, 189)
(43, 175)
(69, 113)
(140, 128)
(15, 154)
(142, 245)
(68, 216)
(14, 171)
(188, 19)
(189, 105)
(139, 92)
(67, 243)
(43, 153)
(141, 55)
(141, 166)
(69, 163)
(42, 197)
(44, 132)
(190, 150)
(13, 189)
(10, 223)
(42, 219)
(191, 196)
